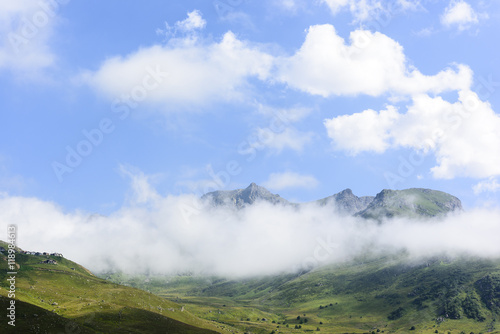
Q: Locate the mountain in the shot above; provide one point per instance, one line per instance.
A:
(346, 202)
(415, 202)
(240, 198)
(56, 295)
(411, 203)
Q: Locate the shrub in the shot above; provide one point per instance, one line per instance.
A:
(396, 314)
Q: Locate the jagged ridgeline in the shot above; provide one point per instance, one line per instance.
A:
(415, 202)
(240, 198)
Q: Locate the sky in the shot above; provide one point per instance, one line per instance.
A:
(306, 98)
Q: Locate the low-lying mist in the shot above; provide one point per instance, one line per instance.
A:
(180, 234)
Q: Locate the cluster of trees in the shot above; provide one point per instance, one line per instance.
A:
(322, 307)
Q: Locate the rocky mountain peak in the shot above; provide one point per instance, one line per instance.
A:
(240, 198)
(346, 202)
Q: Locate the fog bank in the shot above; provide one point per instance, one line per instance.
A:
(179, 234)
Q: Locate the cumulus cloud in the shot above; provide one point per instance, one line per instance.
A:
(365, 131)
(461, 15)
(260, 239)
(190, 25)
(194, 21)
(464, 136)
(194, 71)
(287, 180)
(190, 73)
(371, 63)
(490, 185)
(26, 28)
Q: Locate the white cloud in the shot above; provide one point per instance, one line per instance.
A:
(335, 5)
(371, 64)
(290, 138)
(194, 21)
(280, 134)
(366, 10)
(490, 185)
(195, 72)
(409, 4)
(192, 72)
(284, 115)
(26, 28)
(425, 32)
(287, 5)
(463, 136)
(287, 180)
(140, 183)
(461, 15)
(366, 131)
(187, 27)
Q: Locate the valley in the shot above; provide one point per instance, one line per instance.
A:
(390, 295)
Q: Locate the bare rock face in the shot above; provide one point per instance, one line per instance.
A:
(240, 198)
(346, 202)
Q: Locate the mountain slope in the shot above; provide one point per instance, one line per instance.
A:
(415, 202)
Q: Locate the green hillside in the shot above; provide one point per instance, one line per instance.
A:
(65, 297)
(412, 203)
(389, 295)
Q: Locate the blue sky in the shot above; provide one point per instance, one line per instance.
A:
(304, 97)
